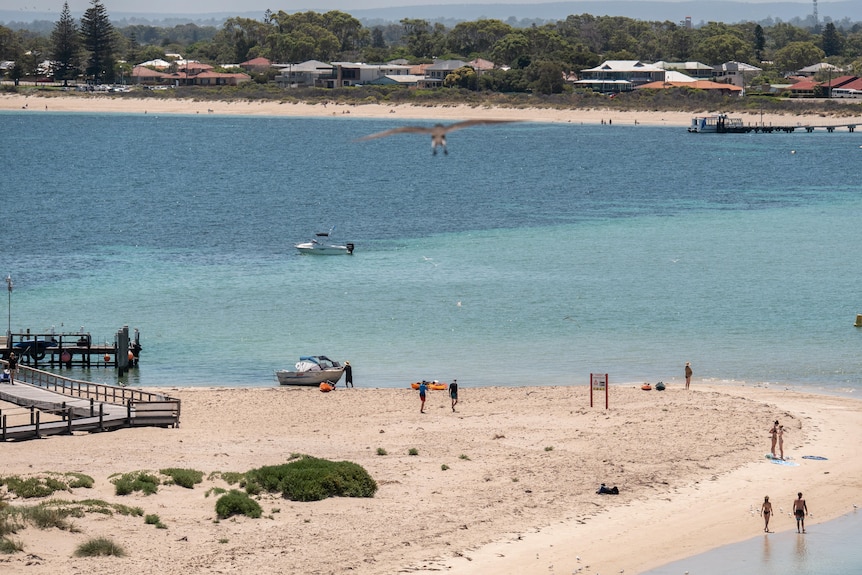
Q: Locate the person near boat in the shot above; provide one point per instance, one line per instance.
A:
(453, 393)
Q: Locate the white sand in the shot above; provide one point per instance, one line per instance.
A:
(518, 495)
(113, 103)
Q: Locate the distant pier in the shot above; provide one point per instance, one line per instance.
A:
(723, 124)
(73, 349)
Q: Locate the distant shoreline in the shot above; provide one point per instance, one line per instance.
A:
(106, 103)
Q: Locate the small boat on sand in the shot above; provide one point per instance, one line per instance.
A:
(311, 370)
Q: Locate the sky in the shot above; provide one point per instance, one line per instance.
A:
(167, 7)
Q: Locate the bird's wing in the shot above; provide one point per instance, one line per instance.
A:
(469, 123)
(402, 130)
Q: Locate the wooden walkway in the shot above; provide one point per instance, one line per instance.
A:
(72, 405)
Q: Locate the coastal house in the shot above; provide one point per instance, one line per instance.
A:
(148, 77)
(437, 72)
(736, 73)
(406, 80)
(305, 74)
(357, 73)
(815, 69)
(695, 70)
(256, 65)
(707, 85)
(614, 76)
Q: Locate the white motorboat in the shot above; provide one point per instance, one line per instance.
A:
(311, 370)
(322, 245)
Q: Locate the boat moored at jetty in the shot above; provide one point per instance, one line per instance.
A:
(717, 124)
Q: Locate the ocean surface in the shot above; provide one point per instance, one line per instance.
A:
(532, 254)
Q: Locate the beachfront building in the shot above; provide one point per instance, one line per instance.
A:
(736, 73)
(256, 65)
(310, 73)
(357, 74)
(696, 70)
(707, 85)
(615, 76)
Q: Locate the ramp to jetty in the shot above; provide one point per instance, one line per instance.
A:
(49, 404)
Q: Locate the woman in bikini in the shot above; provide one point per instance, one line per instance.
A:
(766, 510)
(774, 433)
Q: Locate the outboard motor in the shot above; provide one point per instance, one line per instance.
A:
(350, 248)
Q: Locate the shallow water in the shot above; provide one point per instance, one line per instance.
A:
(826, 549)
(553, 252)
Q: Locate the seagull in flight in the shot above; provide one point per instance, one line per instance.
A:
(438, 132)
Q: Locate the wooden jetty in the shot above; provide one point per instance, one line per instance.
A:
(73, 349)
(722, 124)
(50, 404)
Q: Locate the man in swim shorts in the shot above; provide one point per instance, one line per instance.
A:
(800, 509)
(453, 393)
(423, 387)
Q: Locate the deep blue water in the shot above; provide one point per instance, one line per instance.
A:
(532, 253)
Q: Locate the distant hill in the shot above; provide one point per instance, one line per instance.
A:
(700, 12)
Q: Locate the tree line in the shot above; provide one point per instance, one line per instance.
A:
(534, 57)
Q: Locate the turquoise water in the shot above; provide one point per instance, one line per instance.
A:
(532, 254)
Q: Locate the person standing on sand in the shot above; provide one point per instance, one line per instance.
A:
(781, 432)
(774, 433)
(348, 375)
(688, 373)
(453, 393)
(800, 509)
(423, 387)
(766, 510)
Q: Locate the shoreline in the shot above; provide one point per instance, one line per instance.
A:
(517, 494)
(104, 103)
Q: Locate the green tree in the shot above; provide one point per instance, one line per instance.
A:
(831, 41)
(65, 47)
(512, 50)
(797, 55)
(97, 36)
(464, 77)
(723, 48)
(476, 38)
(545, 77)
(759, 42)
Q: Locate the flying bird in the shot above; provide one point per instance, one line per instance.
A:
(438, 132)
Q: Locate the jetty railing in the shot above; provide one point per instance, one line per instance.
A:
(86, 389)
(92, 406)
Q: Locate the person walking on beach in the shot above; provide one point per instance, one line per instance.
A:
(800, 510)
(774, 433)
(348, 375)
(766, 510)
(688, 373)
(423, 387)
(453, 393)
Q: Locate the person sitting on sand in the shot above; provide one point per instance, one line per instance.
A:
(766, 510)
(800, 509)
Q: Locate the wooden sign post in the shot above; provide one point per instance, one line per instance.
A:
(599, 384)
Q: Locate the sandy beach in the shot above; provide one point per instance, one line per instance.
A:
(115, 104)
(507, 484)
